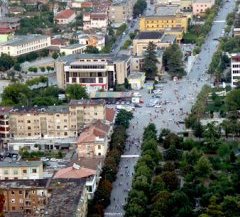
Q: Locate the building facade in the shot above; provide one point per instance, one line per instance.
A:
(65, 17)
(93, 141)
(55, 121)
(95, 21)
(94, 71)
(21, 170)
(160, 23)
(25, 44)
(73, 49)
(200, 6)
(121, 12)
(235, 70)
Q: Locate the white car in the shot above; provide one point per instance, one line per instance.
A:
(157, 106)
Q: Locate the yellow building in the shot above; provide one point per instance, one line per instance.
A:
(160, 23)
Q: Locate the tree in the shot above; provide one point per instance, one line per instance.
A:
(139, 8)
(91, 49)
(203, 167)
(232, 100)
(126, 84)
(171, 180)
(173, 61)
(76, 91)
(16, 94)
(6, 62)
(55, 55)
(123, 118)
(214, 209)
(150, 61)
(42, 69)
(172, 153)
(17, 67)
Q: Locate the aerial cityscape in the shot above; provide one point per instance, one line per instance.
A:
(119, 108)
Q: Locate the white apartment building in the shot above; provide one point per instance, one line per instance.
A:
(25, 44)
(73, 49)
(235, 70)
(95, 21)
(94, 71)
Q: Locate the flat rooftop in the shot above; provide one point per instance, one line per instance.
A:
(21, 164)
(109, 94)
(66, 195)
(168, 38)
(19, 40)
(87, 102)
(73, 46)
(28, 183)
(150, 35)
(167, 10)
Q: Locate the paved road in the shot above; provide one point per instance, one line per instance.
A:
(177, 95)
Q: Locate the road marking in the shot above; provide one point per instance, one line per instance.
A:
(219, 21)
(130, 156)
(113, 214)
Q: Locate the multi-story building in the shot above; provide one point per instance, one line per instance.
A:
(21, 170)
(94, 71)
(84, 112)
(55, 121)
(25, 44)
(93, 141)
(73, 49)
(45, 197)
(25, 197)
(141, 41)
(200, 6)
(96, 40)
(121, 12)
(162, 22)
(4, 125)
(65, 17)
(235, 70)
(95, 21)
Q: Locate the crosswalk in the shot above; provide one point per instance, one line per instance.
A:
(219, 21)
(130, 156)
(113, 214)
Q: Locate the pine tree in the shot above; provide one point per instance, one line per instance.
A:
(150, 61)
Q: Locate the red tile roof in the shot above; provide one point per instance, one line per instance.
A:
(110, 114)
(5, 30)
(65, 14)
(74, 173)
(89, 134)
(86, 4)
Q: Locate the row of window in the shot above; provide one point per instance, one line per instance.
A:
(16, 171)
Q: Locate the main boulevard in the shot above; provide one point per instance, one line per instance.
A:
(177, 99)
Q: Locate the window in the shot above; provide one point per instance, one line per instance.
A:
(12, 200)
(58, 127)
(13, 208)
(24, 171)
(99, 154)
(29, 134)
(65, 133)
(28, 121)
(29, 128)
(100, 80)
(12, 192)
(99, 146)
(20, 192)
(34, 170)
(5, 172)
(15, 172)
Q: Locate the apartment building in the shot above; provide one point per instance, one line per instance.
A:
(25, 197)
(120, 12)
(95, 20)
(45, 197)
(96, 40)
(93, 141)
(141, 41)
(4, 125)
(65, 17)
(83, 112)
(200, 6)
(162, 22)
(55, 121)
(94, 71)
(25, 44)
(235, 70)
(21, 170)
(73, 49)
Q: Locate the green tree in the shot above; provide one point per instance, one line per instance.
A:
(76, 91)
(91, 49)
(17, 67)
(150, 61)
(214, 209)
(55, 55)
(173, 61)
(171, 180)
(16, 94)
(139, 8)
(233, 100)
(6, 62)
(123, 118)
(203, 167)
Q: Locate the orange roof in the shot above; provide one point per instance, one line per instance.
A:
(98, 16)
(65, 14)
(110, 114)
(86, 4)
(89, 134)
(74, 173)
